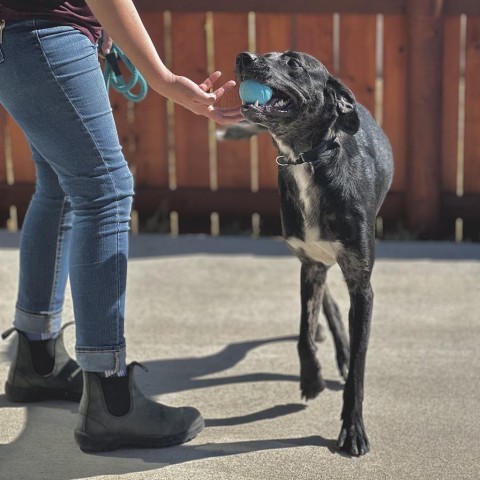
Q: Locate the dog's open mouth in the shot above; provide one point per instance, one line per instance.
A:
(280, 104)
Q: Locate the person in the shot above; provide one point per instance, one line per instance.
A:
(77, 223)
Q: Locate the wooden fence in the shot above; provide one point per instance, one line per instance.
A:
(414, 63)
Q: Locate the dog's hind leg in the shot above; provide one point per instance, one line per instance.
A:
(312, 284)
(320, 334)
(335, 323)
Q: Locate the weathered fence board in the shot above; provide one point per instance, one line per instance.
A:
(424, 116)
(23, 167)
(233, 164)
(394, 111)
(274, 33)
(450, 102)
(149, 125)
(191, 131)
(357, 65)
(314, 35)
(472, 107)
(3, 150)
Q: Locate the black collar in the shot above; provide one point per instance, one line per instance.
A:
(311, 156)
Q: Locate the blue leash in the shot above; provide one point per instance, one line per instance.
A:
(113, 76)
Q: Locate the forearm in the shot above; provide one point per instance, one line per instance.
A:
(122, 22)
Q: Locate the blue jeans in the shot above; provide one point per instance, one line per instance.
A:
(78, 219)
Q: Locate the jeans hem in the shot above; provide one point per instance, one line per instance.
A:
(39, 323)
(102, 360)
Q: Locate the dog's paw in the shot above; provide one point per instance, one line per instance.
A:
(311, 387)
(353, 438)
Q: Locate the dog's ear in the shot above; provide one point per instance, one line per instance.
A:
(345, 105)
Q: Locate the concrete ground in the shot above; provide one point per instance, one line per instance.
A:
(215, 321)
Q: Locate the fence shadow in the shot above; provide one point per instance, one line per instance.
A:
(157, 245)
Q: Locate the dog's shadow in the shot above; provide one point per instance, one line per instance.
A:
(186, 373)
(48, 426)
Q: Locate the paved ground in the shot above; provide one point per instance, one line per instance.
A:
(215, 322)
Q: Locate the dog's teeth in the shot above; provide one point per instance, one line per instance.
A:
(256, 103)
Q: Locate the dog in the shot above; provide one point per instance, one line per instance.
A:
(335, 167)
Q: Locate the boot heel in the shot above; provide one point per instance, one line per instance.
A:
(26, 384)
(21, 395)
(24, 395)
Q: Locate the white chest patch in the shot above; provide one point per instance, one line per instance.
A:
(304, 184)
(320, 251)
(313, 246)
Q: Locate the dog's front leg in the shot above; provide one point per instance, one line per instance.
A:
(312, 284)
(357, 269)
(353, 437)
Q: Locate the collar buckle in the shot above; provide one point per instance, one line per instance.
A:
(322, 148)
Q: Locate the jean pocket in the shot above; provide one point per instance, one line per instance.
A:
(2, 57)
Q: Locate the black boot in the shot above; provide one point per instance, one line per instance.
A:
(138, 422)
(42, 371)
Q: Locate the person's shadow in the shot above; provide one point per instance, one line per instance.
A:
(45, 449)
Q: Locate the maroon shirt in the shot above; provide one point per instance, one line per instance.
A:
(74, 13)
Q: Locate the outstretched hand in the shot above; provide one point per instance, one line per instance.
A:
(200, 99)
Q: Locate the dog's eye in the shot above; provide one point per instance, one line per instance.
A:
(294, 63)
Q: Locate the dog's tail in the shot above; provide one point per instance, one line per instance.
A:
(239, 131)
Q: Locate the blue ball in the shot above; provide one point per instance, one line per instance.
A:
(251, 91)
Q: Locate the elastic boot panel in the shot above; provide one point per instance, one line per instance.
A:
(43, 355)
(116, 394)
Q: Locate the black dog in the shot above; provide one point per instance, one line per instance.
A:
(335, 168)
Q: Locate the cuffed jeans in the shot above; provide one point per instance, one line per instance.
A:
(78, 219)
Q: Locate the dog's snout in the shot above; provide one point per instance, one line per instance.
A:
(245, 58)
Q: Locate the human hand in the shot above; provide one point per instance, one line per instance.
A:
(200, 99)
(105, 44)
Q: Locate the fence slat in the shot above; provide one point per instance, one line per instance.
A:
(472, 106)
(450, 103)
(23, 167)
(357, 65)
(3, 159)
(395, 94)
(191, 131)
(149, 129)
(314, 35)
(425, 28)
(274, 33)
(230, 38)
(4, 210)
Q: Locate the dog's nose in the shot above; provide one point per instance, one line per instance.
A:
(245, 58)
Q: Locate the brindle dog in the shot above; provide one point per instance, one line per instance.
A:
(335, 168)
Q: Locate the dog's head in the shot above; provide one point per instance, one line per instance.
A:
(307, 104)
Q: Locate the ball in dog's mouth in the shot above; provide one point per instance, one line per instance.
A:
(259, 98)
(253, 92)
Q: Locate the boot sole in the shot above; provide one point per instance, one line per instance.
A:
(106, 443)
(28, 395)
